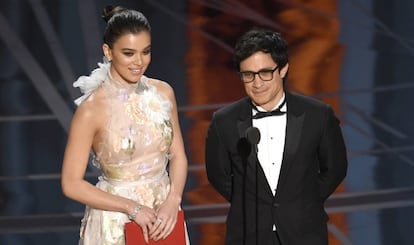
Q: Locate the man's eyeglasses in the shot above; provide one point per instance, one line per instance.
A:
(264, 74)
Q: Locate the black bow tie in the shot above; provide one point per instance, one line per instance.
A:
(275, 112)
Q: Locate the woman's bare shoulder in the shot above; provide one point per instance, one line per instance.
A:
(163, 87)
(91, 109)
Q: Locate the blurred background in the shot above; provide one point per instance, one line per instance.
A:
(356, 55)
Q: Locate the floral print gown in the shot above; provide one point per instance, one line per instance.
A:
(133, 154)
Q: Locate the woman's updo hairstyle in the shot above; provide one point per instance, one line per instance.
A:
(121, 21)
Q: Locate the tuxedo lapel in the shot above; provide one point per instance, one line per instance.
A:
(294, 126)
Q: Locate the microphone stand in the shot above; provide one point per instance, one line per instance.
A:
(253, 136)
(256, 194)
(244, 149)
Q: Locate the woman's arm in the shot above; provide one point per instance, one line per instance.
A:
(177, 172)
(83, 130)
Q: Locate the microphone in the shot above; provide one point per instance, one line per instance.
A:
(253, 136)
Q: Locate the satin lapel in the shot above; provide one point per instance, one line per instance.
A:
(242, 126)
(294, 126)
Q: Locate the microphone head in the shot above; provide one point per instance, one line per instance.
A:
(253, 135)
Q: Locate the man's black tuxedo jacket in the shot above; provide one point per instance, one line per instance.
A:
(314, 164)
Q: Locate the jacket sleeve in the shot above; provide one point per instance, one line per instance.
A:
(332, 156)
(218, 163)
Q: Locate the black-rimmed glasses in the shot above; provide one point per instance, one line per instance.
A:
(264, 74)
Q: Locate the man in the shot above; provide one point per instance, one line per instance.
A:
(276, 169)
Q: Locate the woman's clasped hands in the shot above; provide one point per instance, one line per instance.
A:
(164, 225)
(156, 224)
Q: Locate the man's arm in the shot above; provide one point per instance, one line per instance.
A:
(332, 156)
(218, 164)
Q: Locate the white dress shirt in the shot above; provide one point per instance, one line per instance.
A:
(272, 141)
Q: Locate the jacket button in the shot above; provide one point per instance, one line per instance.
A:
(275, 204)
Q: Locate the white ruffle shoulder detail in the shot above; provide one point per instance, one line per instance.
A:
(88, 84)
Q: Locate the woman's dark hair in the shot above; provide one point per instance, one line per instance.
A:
(120, 21)
(261, 40)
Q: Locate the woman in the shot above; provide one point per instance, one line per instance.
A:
(130, 122)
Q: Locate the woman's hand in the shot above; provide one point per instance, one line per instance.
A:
(146, 218)
(165, 221)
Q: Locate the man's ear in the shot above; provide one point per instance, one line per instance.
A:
(284, 70)
(107, 51)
